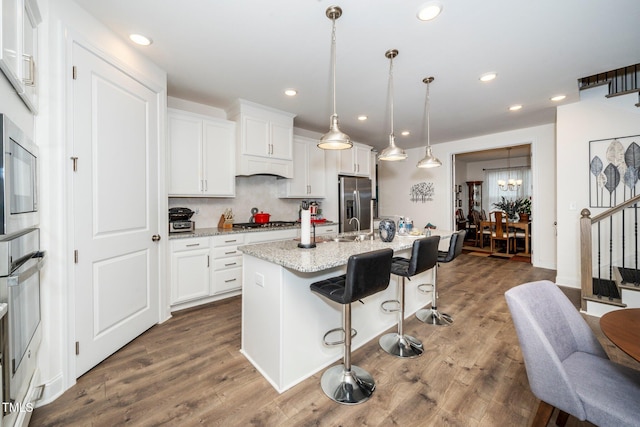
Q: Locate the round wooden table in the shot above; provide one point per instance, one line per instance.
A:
(622, 327)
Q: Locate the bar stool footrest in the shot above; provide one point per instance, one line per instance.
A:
(390, 310)
(354, 332)
(425, 288)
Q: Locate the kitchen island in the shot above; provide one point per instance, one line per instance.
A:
(283, 322)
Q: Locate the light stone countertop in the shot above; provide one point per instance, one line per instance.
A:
(326, 254)
(214, 231)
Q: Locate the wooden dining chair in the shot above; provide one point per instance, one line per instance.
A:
(500, 230)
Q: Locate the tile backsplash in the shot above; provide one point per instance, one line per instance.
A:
(259, 191)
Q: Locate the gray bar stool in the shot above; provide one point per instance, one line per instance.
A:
(432, 315)
(367, 274)
(424, 254)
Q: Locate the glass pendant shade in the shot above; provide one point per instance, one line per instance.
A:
(392, 153)
(429, 160)
(335, 139)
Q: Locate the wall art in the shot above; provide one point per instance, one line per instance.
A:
(614, 169)
(422, 192)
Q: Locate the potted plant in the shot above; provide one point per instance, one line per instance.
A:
(524, 209)
(513, 207)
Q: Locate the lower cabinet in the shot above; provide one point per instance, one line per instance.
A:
(227, 263)
(206, 269)
(190, 269)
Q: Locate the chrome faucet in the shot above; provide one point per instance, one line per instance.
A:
(352, 218)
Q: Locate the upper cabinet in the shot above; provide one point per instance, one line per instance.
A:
(19, 47)
(264, 139)
(356, 161)
(308, 171)
(201, 155)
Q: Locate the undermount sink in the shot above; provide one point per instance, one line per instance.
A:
(342, 239)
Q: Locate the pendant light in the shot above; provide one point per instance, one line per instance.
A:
(429, 160)
(392, 152)
(334, 139)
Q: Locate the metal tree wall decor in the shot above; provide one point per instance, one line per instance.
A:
(422, 192)
(614, 170)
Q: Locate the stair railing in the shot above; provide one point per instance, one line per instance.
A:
(604, 245)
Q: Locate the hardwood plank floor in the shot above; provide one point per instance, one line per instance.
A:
(189, 371)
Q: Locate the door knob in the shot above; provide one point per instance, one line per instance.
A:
(155, 238)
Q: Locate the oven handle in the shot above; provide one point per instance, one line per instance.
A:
(28, 269)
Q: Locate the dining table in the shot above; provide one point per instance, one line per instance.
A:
(622, 327)
(518, 225)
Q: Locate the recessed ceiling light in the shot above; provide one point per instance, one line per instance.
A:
(558, 97)
(515, 107)
(405, 133)
(487, 77)
(140, 39)
(290, 92)
(429, 11)
(362, 118)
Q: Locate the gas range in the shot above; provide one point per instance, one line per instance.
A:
(271, 224)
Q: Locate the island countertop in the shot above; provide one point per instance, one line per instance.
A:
(327, 254)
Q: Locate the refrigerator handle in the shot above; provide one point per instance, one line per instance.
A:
(356, 197)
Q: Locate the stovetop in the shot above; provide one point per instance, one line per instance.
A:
(271, 224)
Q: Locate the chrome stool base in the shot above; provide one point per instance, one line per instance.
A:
(434, 317)
(347, 387)
(401, 345)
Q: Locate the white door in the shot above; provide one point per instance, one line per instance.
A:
(115, 193)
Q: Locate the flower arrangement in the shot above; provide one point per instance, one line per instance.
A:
(525, 206)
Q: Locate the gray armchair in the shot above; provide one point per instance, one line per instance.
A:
(566, 366)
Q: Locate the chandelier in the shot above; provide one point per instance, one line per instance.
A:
(511, 184)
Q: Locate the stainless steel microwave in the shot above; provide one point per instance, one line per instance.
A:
(18, 179)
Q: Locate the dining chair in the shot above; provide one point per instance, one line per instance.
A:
(566, 366)
(500, 230)
(476, 226)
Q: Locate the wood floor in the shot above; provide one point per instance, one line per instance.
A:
(189, 371)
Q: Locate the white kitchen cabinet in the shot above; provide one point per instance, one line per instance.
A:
(264, 139)
(201, 155)
(19, 47)
(308, 171)
(227, 263)
(356, 161)
(190, 269)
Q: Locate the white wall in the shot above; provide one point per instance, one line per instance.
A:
(594, 117)
(64, 21)
(396, 178)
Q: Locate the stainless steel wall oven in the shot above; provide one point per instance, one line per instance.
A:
(18, 179)
(20, 264)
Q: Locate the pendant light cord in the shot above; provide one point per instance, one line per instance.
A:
(427, 106)
(391, 89)
(333, 62)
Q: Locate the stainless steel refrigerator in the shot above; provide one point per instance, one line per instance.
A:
(355, 202)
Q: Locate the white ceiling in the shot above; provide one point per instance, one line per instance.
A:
(216, 51)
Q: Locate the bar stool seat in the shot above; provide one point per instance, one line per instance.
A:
(432, 315)
(367, 274)
(424, 254)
